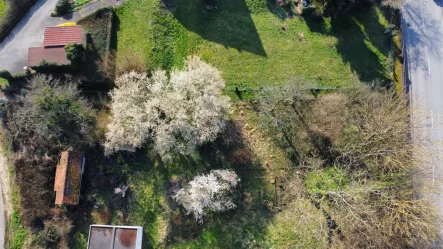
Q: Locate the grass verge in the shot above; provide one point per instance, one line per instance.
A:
(2, 7)
(78, 4)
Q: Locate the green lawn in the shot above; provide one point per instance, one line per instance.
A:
(253, 46)
(2, 8)
(78, 4)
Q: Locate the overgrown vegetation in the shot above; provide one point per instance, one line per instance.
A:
(50, 116)
(352, 146)
(74, 53)
(320, 164)
(99, 62)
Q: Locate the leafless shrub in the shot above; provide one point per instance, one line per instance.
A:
(242, 157)
(102, 216)
(107, 65)
(126, 63)
(55, 233)
(365, 133)
(376, 131)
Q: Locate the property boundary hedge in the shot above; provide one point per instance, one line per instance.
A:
(15, 10)
(50, 67)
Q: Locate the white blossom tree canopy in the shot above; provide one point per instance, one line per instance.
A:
(208, 192)
(177, 114)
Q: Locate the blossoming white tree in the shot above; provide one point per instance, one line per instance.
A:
(178, 113)
(208, 192)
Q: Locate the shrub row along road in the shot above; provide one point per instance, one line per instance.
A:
(29, 31)
(422, 22)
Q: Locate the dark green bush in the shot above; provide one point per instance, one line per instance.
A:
(62, 7)
(74, 53)
(51, 67)
(5, 74)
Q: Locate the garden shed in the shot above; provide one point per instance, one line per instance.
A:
(55, 40)
(68, 178)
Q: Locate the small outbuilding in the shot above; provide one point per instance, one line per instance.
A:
(55, 40)
(115, 237)
(68, 178)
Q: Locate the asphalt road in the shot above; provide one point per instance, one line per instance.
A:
(28, 33)
(422, 22)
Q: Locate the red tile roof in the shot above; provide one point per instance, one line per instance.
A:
(61, 36)
(55, 54)
(68, 178)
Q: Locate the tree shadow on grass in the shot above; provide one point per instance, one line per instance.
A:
(361, 42)
(230, 25)
(243, 227)
(149, 202)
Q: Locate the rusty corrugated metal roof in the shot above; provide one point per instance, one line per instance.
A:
(61, 36)
(55, 55)
(68, 177)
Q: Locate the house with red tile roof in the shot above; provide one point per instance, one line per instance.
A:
(68, 178)
(55, 40)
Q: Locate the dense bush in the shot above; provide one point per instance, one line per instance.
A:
(36, 181)
(99, 63)
(50, 116)
(62, 7)
(5, 74)
(16, 9)
(74, 53)
(51, 67)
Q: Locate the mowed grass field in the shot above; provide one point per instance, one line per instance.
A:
(255, 45)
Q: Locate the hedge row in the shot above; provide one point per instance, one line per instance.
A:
(15, 10)
(51, 67)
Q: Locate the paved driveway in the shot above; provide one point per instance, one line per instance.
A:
(29, 32)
